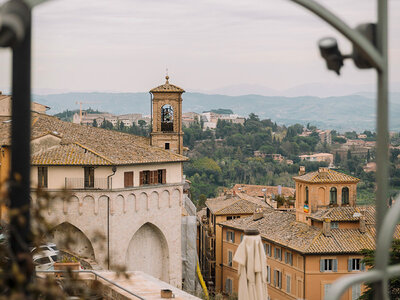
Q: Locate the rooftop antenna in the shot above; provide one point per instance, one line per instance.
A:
(166, 74)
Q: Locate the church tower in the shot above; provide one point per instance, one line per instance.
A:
(167, 117)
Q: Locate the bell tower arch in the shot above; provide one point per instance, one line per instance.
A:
(167, 117)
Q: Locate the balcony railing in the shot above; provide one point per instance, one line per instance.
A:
(84, 184)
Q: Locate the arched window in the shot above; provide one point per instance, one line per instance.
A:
(306, 202)
(333, 196)
(345, 195)
(167, 118)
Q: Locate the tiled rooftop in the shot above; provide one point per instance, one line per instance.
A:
(234, 204)
(103, 145)
(325, 175)
(345, 214)
(256, 190)
(167, 87)
(283, 229)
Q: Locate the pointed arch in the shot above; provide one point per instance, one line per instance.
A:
(148, 252)
(69, 237)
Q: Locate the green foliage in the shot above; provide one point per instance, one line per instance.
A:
(221, 111)
(339, 140)
(394, 283)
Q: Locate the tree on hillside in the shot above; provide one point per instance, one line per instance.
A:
(394, 283)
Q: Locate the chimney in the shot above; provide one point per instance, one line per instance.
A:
(323, 170)
(258, 214)
(362, 224)
(326, 227)
(302, 170)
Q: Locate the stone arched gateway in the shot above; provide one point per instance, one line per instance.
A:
(148, 252)
(68, 236)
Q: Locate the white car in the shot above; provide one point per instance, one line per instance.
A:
(44, 260)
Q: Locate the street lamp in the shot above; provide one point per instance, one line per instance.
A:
(369, 51)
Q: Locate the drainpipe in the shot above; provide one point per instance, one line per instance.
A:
(304, 281)
(114, 169)
(151, 117)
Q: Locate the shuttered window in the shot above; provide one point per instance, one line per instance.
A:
(228, 286)
(328, 265)
(230, 256)
(355, 264)
(89, 177)
(278, 279)
(268, 274)
(128, 179)
(288, 258)
(42, 177)
(288, 284)
(153, 177)
(355, 291)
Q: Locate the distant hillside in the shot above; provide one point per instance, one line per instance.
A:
(353, 112)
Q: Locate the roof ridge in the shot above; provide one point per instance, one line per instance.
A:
(94, 152)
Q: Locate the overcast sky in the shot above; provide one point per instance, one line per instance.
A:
(126, 45)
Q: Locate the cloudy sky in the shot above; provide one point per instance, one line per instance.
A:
(126, 45)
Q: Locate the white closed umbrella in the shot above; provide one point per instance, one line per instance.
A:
(252, 271)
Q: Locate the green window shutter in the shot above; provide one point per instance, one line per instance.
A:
(233, 237)
(227, 235)
(321, 265)
(349, 265)
(334, 265)
(286, 259)
(362, 266)
(274, 277)
(280, 280)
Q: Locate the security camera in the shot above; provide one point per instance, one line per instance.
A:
(329, 50)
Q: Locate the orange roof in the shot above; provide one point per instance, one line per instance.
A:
(325, 175)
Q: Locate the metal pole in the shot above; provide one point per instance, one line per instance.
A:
(382, 157)
(19, 191)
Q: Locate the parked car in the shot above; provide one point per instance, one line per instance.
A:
(44, 260)
(48, 247)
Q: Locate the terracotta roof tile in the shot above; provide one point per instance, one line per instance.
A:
(326, 176)
(70, 154)
(234, 204)
(117, 147)
(283, 229)
(167, 88)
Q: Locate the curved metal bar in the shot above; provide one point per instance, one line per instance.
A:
(344, 283)
(359, 40)
(96, 275)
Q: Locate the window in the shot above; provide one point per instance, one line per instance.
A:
(42, 261)
(268, 274)
(153, 177)
(306, 202)
(278, 253)
(329, 264)
(345, 195)
(269, 252)
(166, 146)
(278, 279)
(288, 284)
(288, 258)
(167, 118)
(333, 196)
(241, 237)
(334, 225)
(228, 286)
(42, 177)
(327, 287)
(230, 258)
(355, 264)
(230, 236)
(355, 291)
(89, 177)
(232, 217)
(128, 179)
